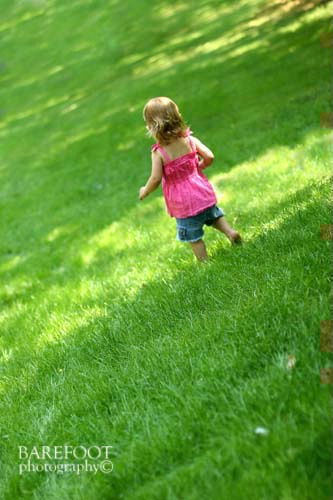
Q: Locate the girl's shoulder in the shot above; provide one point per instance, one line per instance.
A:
(187, 132)
(159, 152)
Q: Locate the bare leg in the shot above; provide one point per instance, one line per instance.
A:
(199, 250)
(222, 225)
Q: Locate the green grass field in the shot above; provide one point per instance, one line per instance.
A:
(110, 332)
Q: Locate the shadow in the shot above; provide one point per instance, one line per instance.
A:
(75, 78)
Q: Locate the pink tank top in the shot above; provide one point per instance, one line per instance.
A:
(186, 189)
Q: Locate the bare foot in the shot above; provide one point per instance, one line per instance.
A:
(235, 238)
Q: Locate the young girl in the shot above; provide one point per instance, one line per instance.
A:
(188, 195)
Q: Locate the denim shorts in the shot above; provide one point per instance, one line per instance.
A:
(190, 229)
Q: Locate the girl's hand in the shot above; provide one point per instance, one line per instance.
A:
(201, 163)
(142, 193)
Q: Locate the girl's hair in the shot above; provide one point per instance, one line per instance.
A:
(163, 119)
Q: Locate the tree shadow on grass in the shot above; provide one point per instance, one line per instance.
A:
(105, 343)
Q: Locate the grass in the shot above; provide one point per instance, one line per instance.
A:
(110, 332)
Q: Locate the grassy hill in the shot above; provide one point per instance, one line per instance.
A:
(110, 332)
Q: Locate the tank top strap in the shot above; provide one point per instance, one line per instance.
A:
(192, 144)
(188, 134)
(163, 152)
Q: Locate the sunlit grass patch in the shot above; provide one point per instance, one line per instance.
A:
(279, 171)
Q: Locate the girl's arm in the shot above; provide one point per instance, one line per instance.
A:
(155, 177)
(207, 156)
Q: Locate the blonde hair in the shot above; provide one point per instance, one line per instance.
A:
(163, 119)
